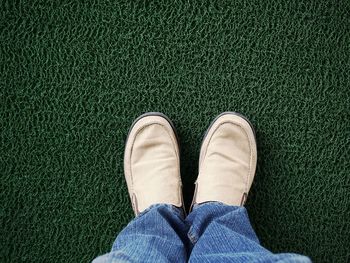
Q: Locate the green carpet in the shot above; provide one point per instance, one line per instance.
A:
(74, 75)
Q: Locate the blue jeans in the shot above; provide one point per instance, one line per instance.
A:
(212, 232)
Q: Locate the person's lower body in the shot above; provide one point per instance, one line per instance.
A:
(212, 232)
(217, 228)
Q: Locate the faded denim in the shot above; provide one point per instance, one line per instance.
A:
(212, 232)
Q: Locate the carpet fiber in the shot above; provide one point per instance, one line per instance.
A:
(74, 75)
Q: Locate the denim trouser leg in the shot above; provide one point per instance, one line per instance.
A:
(156, 235)
(222, 233)
(213, 232)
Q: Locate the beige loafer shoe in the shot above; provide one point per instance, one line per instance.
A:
(152, 163)
(227, 161)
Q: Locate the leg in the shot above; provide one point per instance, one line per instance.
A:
(222, 233)
(152, 173)
(157, 235)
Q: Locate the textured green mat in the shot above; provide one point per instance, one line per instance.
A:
(74, 75)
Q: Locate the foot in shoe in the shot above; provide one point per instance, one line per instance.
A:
(227, 161)
(151, 163)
